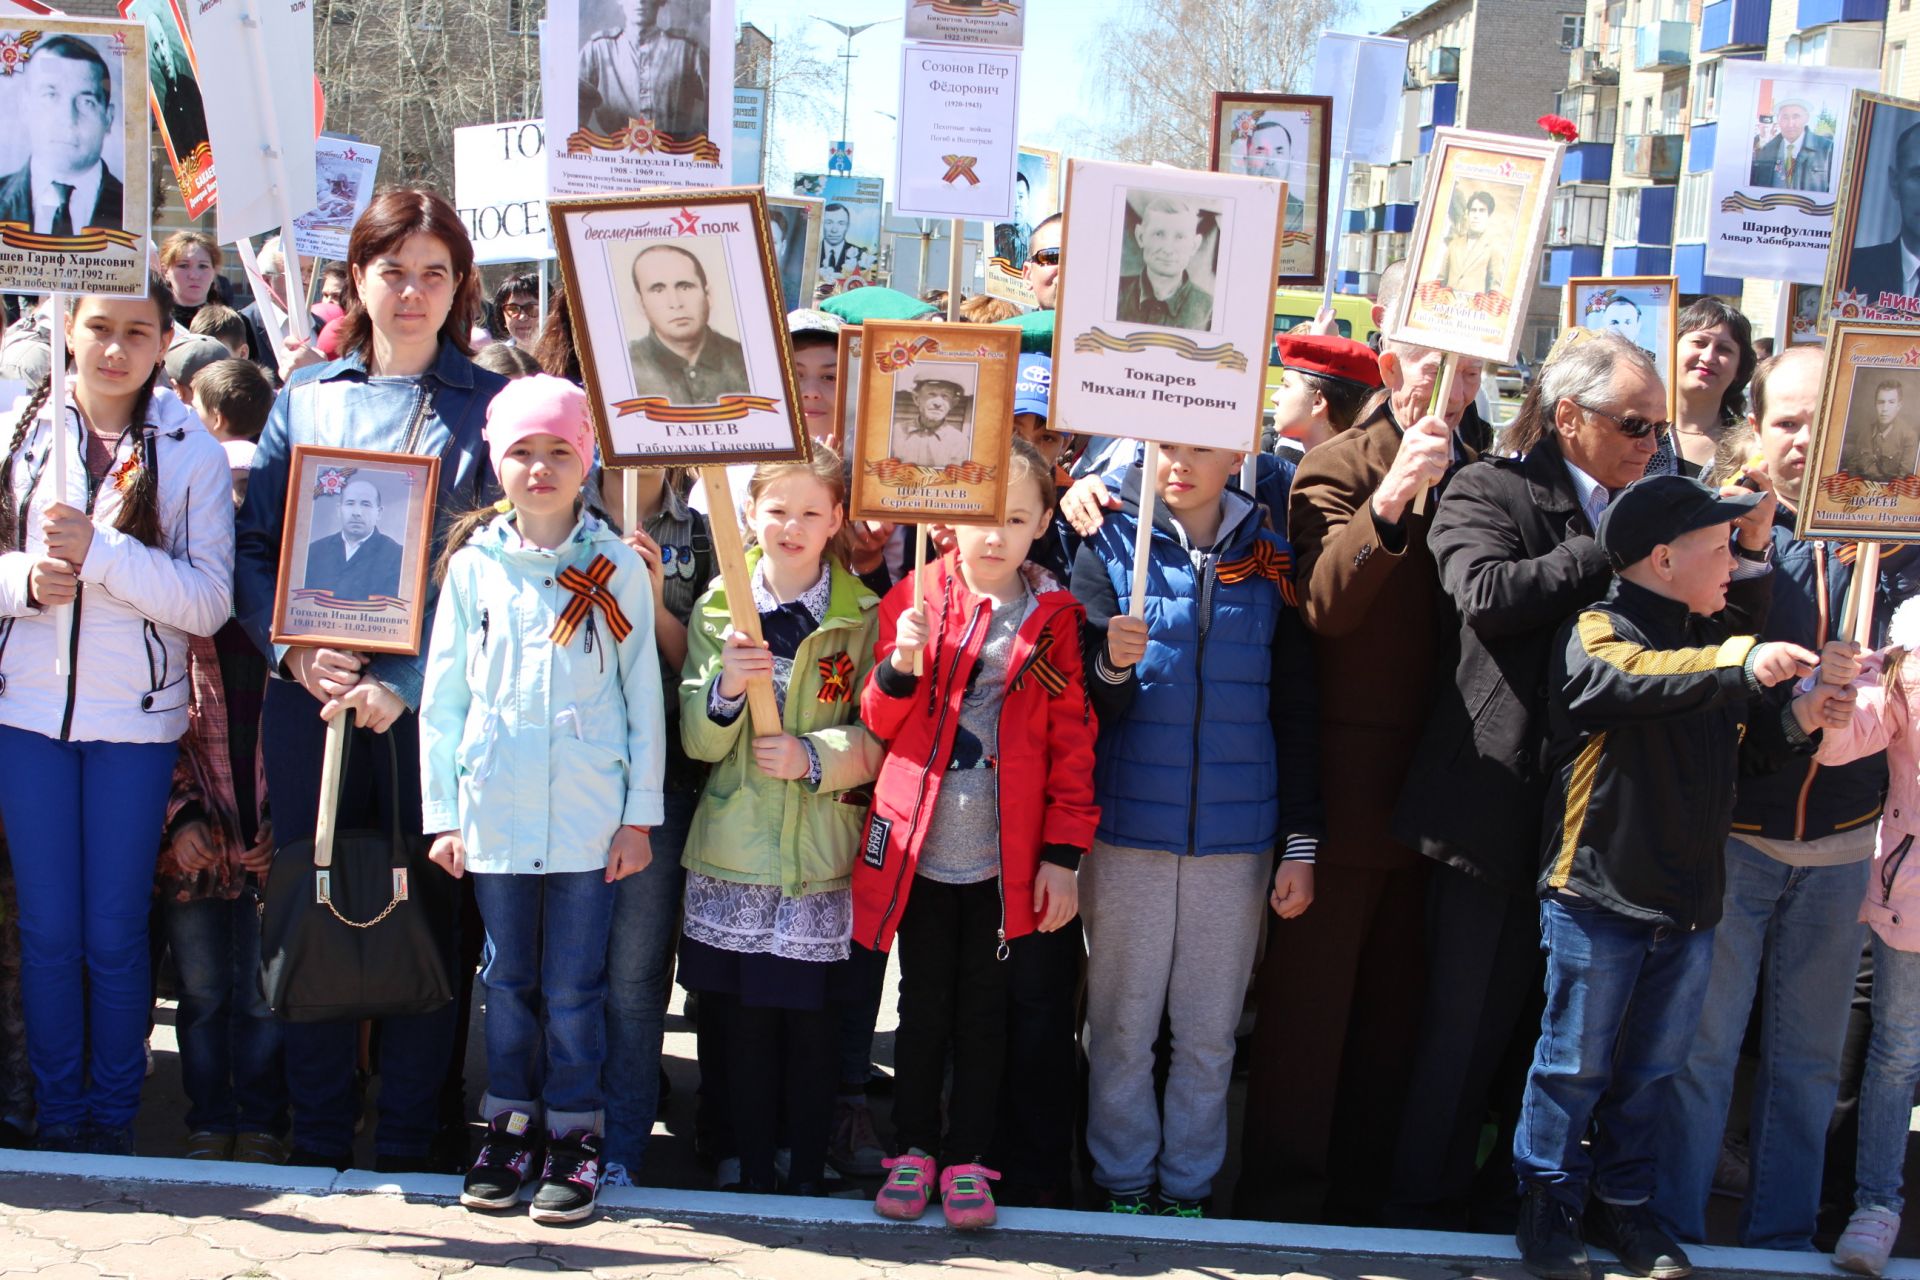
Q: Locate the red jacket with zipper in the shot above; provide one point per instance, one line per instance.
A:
(1044, 765)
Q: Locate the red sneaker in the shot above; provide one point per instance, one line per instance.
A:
(965, 1196)
(904, 1194)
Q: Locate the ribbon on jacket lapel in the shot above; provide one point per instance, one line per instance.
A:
(590, 592)
(1265, 561)
(1040, 667)
(836, 678)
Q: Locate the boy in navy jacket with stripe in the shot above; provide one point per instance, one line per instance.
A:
(1208, 759)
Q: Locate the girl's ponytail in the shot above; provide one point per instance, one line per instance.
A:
(461, 532)
(12, 535)
(139, 516)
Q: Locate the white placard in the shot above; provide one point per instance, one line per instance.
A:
(1166, 303)
(975, 22)
(959, 121)
(635, 109)
(343, 182)
(237, 125)
(1776, 168)
(1362, 74)
(499, 172)
(749, 136)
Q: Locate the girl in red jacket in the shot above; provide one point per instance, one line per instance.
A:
(982, 810)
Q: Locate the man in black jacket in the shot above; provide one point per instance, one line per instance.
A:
(1648, 697)
(1513, 539)
(1798, 864)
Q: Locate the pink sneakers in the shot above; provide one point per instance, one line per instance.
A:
(904, 1194)
(965, 1196)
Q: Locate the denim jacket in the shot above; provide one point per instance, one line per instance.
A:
(339, 406)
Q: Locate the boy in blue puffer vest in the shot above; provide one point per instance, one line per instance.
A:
(1208, 758)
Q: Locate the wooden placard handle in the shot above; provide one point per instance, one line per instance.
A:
(919, 584)
(332, 762)
(731, 555)
(1442, 396)
(1856, 615)
(1143, 531)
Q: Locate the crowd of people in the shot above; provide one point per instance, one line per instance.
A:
(1506, 782)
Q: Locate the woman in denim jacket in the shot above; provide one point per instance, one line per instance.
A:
(403, 384)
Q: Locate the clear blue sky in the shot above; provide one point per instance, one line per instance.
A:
(1052, 92)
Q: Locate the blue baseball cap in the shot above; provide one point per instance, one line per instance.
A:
(1034, 385)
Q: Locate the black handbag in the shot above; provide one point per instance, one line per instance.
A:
(368, 936)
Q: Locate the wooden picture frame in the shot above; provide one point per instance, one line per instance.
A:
(1587, 299)
(1240, 122)
(1858, 276)
(371, 599)
(797, 257)
(1474, 255)
(935, 422)
(708, 261)
(846, 389)
(1862, 481)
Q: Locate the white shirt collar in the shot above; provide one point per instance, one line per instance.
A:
(1909, 263)
(80, 206)
(814, 599)
(1586, 486)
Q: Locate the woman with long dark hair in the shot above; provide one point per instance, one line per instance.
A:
(139, 546)
(404, 383)
(1711, 368)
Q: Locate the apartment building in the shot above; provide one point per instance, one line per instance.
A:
(1475, 64)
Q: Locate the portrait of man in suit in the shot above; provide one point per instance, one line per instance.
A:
(358, 562)
(683, 357)
(837, 253)
(1889, 274)
(1788, 155)
(65, 186)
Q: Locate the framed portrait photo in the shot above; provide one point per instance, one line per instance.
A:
(793, 223)
(354, 550)
(682, 338)
(1866, 273)
(1165, 303)
(1475, 250)
(936, 421)
(1805, 311)
(174, 93)
(846, 389)
(1036, 197)
(79, 94)
(1863, 465)
(1642, 309)
(1283, 136)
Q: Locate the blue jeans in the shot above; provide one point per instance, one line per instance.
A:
(646, 925)
(1893, 1065)
(1623, 998)
(545, 974)
(230, 1044)
(83, 820)
(321, 1056)
(1800, 925)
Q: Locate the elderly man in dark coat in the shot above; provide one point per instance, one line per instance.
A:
(1514, 543)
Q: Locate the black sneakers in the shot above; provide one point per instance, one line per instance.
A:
(1630, 1231)
(1549, 1238)
(504, 1164)
(570, 1180)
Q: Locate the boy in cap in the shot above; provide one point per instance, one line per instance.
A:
(1648, 708)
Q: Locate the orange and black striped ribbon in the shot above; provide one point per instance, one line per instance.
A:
(590, 591)
(1264, 561)
(1040, 667)
(836, 678)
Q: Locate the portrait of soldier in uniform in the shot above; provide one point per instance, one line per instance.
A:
(1168, 236)
(1886, 446)
(838, 254)
(933, 414)
(682, 357)
(1472, 260)
(646, 70)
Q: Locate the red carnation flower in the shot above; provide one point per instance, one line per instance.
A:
(1559, 127)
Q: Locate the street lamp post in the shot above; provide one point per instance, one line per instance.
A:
(849, 30)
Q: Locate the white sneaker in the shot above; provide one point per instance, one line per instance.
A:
(1867, 1242)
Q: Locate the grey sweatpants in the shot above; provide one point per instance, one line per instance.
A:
(1175, 934)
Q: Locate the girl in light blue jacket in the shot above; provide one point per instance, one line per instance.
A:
(542, 743)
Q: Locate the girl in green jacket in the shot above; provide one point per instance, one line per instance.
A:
(769, 859)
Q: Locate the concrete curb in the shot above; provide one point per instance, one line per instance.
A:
(1291, 1238)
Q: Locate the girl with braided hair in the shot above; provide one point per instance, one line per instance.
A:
(141, 547)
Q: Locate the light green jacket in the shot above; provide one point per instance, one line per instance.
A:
(754, 829)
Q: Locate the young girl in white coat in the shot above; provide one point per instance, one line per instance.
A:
(542, 744)
(139, 548)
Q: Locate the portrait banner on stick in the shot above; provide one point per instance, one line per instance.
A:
(1165, 303)
(958, 147)
(1362, 75)
(1876, 224)
(245, 129)
(78, 88)
(637, 95)
(499, 175)
(1770, 201)
(1862, 479)
(1036, 197)
(174, 94)
(1642, 309)
(1283, 136)
(344, 171)
(980, 22)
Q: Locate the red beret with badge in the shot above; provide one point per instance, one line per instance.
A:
(1330, 357)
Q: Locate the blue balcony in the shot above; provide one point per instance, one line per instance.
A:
(1700, 155)
(1655, 226)
(1690, 264)
(1446, 103)
(1349, 282)
(1587, 162)
(1817, 13)
(1573, 260)
(1659, 45)
(1426, 139)
(1642, 260)
(1400, 217)
(1736, 24)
